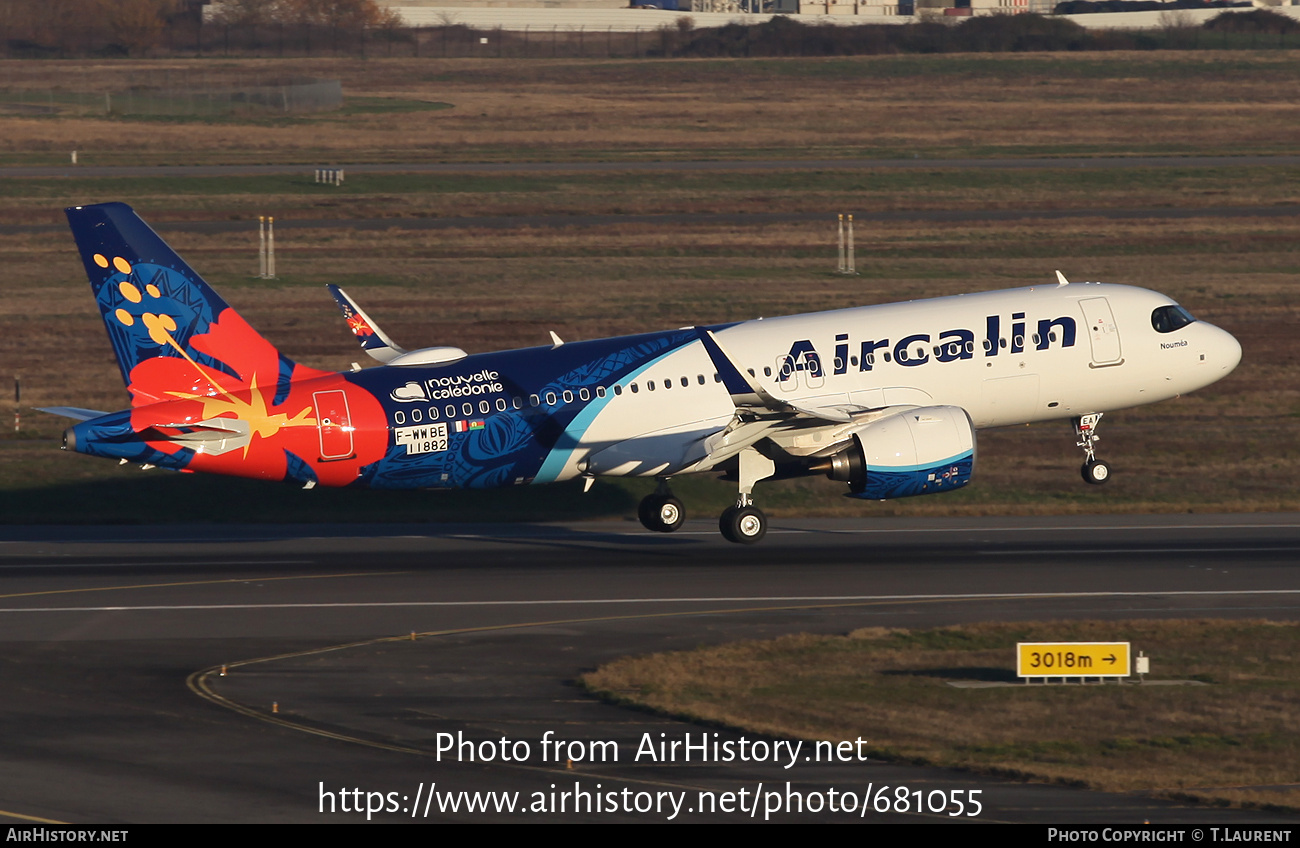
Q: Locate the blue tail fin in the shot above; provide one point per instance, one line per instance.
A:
(170, 331)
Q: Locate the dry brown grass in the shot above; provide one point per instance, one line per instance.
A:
(1230, 740)
(1234, 446)
(548, 109)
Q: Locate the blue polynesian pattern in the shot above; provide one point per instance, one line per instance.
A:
(885, 484)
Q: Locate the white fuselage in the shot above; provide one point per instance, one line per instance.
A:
(1006, 357)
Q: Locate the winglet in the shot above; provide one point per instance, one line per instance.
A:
(1060, 279)
(743, 388)
(374, 341)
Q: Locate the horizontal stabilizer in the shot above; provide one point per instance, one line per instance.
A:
(74, 412)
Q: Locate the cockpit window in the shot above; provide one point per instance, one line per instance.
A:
(1166, 319)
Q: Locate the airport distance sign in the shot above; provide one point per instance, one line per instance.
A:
(1072, 659)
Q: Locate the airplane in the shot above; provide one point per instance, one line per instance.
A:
(886, 399)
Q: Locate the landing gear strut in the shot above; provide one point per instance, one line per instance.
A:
(745, 523)
(660, 511)
(1094, 470)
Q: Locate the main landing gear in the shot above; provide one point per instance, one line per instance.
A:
(743, 523)
(660, 511)
(1094, 470)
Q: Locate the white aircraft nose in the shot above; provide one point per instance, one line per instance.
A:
(1226, 351)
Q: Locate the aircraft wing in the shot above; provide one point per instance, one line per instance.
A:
(762, 415)
(374, 341)
(746, 393)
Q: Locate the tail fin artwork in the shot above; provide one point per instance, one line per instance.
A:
(208, 393)
(170, 331)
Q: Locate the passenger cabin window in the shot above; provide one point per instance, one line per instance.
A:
(1166, 319)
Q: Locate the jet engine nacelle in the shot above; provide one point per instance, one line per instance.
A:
(918, 452)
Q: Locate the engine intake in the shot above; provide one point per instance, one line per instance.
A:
(918, 452)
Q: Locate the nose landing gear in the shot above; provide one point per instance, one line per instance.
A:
(1094, 470)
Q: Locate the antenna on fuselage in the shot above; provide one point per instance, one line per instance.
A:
(1060, 279)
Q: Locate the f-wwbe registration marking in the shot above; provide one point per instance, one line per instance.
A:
(431, 438)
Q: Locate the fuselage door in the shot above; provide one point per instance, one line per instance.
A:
(812, 370)
(786, 379)
(334, 424)
(1102, 331)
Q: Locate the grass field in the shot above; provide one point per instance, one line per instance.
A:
(1231, 447)
(1225, 727)
(892, 106)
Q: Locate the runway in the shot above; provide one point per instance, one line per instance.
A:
(114, 640)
